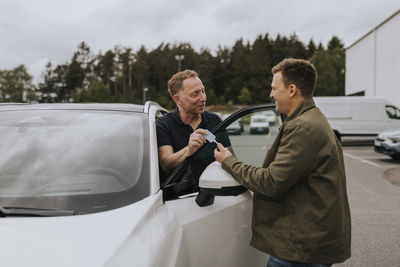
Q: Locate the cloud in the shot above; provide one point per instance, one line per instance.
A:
(33, 32)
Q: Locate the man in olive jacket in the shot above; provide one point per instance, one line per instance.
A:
(300, 209)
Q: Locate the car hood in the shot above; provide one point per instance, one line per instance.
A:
(390, 133)
(259, 124)
(82, 240)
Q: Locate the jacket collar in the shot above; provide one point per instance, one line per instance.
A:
(303, 107)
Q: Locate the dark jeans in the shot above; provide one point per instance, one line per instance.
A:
(277, 262)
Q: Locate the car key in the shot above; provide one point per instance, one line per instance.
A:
(210, 137)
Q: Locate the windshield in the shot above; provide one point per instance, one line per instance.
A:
(79, 160)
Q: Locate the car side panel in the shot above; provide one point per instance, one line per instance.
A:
(154, 242)
(216, 235)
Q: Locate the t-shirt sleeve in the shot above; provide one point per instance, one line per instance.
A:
(163, 135)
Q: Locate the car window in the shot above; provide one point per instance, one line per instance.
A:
(248, 143)
(393, 112)
(56, 158)
(257, 136)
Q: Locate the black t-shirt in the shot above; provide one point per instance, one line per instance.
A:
(172, 131)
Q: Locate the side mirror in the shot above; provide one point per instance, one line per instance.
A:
(215, 181)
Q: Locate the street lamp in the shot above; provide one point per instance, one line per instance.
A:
(144, 94)
(132, 60)
(179, 58)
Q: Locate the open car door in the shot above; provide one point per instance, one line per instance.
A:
(216, 231)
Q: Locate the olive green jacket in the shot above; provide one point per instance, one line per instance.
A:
(300, 206)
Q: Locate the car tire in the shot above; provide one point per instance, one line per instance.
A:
(395, 157)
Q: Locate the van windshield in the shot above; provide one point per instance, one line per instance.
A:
(393, 112)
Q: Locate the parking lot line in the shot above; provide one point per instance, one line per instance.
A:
(363, 160)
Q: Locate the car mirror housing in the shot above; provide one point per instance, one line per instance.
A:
(215, 181)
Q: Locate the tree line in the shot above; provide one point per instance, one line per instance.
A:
(240, 74)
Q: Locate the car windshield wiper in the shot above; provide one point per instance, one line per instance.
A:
(24, 211)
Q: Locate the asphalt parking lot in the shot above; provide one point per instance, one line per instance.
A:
(367, 155)
(373, 185)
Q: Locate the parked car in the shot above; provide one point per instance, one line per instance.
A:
(233, 127)
(271, 116)
(259, 124)
(388, 143)
(80, 186)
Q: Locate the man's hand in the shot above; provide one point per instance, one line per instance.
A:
(222, 154)
(196, 140)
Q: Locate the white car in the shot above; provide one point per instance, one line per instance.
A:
(388, 143)
(272, 117)
(259, 124)
(236, 127)
(80, 186)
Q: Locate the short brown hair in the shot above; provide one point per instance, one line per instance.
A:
(175, 83)
(299, 72)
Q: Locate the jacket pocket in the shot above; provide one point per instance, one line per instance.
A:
(270, 214)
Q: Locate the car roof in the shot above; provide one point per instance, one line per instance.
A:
(73, 106)
(268, 112)
(225, 115)
(259, 116)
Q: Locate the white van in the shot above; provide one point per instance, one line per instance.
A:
(358, 118)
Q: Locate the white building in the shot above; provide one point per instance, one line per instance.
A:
(373, 62)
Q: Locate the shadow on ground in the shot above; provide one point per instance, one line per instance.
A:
(392, 175)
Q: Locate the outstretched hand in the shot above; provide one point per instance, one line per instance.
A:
(221, 153)
(196, 140)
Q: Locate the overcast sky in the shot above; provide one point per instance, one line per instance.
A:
(34, 32)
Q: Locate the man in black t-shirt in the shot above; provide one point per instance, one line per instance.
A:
(180, 132)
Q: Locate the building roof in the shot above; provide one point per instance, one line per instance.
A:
(374, 29)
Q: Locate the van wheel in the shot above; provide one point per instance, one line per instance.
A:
(338, 136)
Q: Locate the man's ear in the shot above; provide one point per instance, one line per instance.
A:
(293, 90)
(177, 99)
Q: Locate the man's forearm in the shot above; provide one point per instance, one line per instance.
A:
(171, 161)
